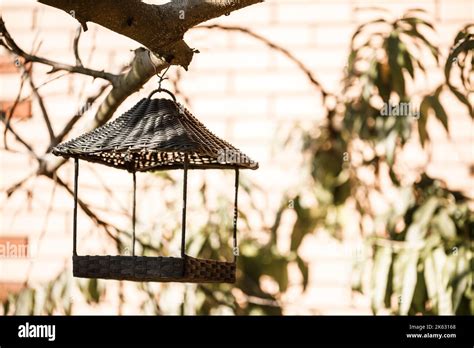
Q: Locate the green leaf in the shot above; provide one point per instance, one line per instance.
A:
(431, 280)
(393, 49)
(444, 225)
(93, 291)
(433, 49)
(303, 266)
(417, 230)
(439, 260)
(424, 109)
(408, 63)
(6, 306)
(342, 192)
(305, 224)
(414, 11)
(357, 276)
(420, 295)
(25, 302)
(390, 289)
(393, 177)
(364, 25)
(416, 20)
(409, 280)
(390, 147)
(440, 112)
(279, 271)
(40, 299)
(461, 280)
(382, 262)
(463, 46)
(277, 221)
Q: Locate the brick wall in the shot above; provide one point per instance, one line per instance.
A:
(243, 90)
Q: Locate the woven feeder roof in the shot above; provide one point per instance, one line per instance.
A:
(155, 134)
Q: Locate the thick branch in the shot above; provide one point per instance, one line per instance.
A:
(143, 67)
(199, 11)
(158, 27)
(73, 120)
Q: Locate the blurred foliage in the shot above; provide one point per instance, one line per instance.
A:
(462, 56)
(55, 297)
(425, 264)
(417, 256)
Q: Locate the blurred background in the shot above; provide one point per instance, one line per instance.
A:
(359, 113)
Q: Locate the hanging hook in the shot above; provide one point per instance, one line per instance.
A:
(161, 78)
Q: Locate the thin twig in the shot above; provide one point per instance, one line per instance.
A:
(19, 138)
(12, 109)
(175, 82)
(85, 208)
(73, 120)
(13, 188)
(98, 221)
(44, 112)
(109, 192)
(76, 46)
(8, 42)
(43, 233)
(275, 47)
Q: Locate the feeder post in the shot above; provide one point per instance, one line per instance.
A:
(134, 211)
(74, 224)
(236, 214)
(183, 221)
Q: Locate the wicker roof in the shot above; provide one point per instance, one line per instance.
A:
(155, 135)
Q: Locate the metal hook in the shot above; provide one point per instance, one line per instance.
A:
(161, 78)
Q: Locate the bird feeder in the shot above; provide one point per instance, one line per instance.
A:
(154, 135)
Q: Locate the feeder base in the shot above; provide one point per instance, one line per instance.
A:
(154, 269)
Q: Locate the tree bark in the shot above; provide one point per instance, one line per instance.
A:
(160, 28)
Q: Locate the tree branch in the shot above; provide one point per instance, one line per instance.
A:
(73, 120)
(76, 46)
(143, 67)
(18, 137)
(13, 188)
(158, 27)
(97, 220)
(10, 44)
(275, 47)
(85, 208)
(12, 109)
(44, 112)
